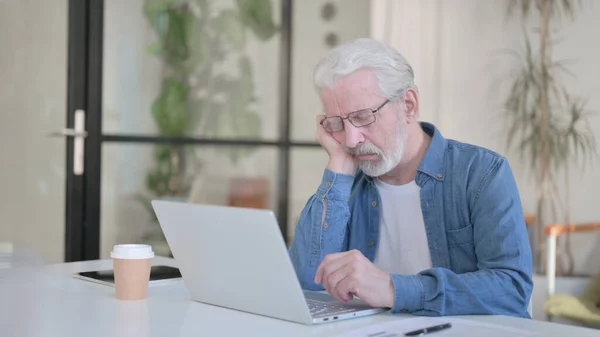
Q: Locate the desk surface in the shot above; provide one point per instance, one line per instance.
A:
(48, 301)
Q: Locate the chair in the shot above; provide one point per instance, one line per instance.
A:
(530, 219)
(585, 308)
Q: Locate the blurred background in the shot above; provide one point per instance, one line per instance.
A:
(106, 105)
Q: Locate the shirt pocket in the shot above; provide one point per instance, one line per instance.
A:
(461, 249)
(460, 237)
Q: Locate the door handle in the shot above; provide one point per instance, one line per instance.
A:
(67, 133)
(79, 134)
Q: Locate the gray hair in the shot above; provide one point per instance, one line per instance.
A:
(394, 74)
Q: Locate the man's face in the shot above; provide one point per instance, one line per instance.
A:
(378, 147)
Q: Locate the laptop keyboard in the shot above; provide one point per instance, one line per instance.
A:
(318, 308)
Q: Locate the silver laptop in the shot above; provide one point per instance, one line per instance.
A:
(237, 258)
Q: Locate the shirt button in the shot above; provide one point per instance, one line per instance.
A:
(440, 176)
(374, 204)
(371, 243)
(328, 184)
(325, 225)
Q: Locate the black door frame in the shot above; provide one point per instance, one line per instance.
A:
(86, 19)
(84, 92)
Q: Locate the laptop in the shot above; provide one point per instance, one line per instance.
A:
(237, 258)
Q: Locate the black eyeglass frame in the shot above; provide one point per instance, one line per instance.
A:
(349, 116)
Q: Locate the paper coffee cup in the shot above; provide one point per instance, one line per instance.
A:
(132, 270)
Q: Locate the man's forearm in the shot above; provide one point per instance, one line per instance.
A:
(440, 291)
(322, 227)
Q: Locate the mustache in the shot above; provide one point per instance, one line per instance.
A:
(363, 149)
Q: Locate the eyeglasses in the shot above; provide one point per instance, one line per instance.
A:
(358, 118)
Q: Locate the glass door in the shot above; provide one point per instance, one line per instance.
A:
(193, 99)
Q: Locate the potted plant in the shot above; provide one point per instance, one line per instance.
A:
(193, 39)
(547, 124)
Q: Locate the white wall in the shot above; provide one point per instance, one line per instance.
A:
(33, 64)
(416, 27)
(466, 91)
(351, 21)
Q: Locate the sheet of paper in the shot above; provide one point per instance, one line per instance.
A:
(460, 327)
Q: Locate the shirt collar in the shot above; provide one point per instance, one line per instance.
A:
(433, 162)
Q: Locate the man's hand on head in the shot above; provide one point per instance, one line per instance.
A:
(339, 160)
(348, 274)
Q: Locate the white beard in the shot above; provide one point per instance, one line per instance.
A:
(386, 163)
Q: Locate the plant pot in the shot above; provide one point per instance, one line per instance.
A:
(249, 192)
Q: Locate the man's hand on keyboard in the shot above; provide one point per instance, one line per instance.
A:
(348, 274)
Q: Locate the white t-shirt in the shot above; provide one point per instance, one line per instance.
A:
(403, 247)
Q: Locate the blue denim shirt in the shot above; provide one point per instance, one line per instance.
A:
(475, 227)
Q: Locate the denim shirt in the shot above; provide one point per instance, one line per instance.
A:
(475, 226)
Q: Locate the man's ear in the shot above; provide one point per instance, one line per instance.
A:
(411, 102)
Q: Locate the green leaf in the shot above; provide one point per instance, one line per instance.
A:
(169, 110)
(230, 24)
(226, 126)
(153, 9)
(222, 84)
(246, 73)
(155, 48)
(258, 16)
(162, 152)
(196, 110)
(198, 49)
(248, 125)
(244, 92)
(176, 44)
(151, 181)
(208, 112)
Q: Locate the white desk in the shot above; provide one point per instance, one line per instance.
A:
(47, 301)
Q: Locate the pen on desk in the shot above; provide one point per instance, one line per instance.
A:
(429, 329)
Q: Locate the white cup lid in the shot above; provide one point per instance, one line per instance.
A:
(131, 251)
